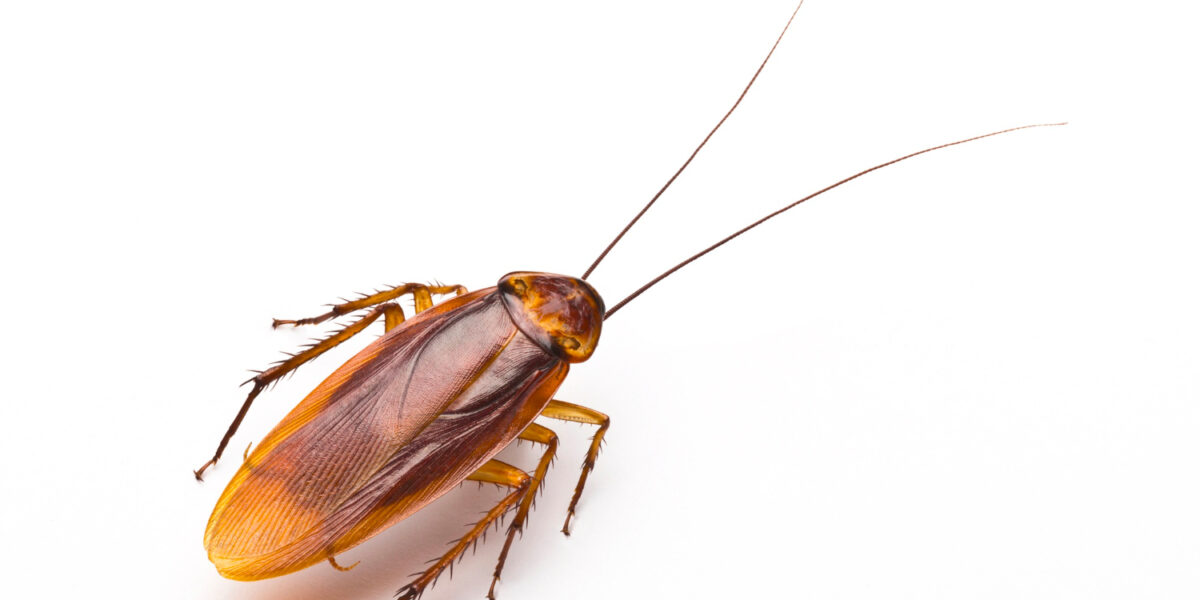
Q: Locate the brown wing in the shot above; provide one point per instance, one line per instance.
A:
(334, 471)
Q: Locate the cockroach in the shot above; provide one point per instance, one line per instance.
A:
(424, 408)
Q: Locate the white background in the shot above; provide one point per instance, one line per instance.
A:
(972, 375)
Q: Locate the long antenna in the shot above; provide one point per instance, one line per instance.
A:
(681, 265)
(694, 152)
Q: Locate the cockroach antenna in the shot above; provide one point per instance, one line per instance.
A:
(735, 234)
(687, 162)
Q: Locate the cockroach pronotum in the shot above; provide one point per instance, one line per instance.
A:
(424, 408)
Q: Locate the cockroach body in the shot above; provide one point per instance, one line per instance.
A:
(420, 410)
(414, 414)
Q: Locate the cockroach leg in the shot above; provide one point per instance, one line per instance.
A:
(422, 298)
(393, 316)
(340, 567)
(565, 411)
(493, 471)
(541, 435)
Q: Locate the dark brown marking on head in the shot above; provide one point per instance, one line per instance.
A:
(562, 314)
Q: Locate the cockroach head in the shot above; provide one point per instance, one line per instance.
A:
(562, 314)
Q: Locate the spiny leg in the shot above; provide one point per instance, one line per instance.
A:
(334, 563)
(493, 471)
(393, 316)
(541, 435)
(565, 411)
(422, 299)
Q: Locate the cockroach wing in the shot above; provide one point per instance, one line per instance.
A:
(402, 422)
